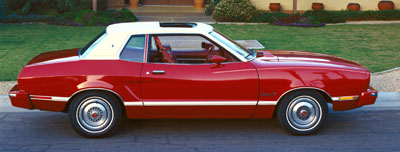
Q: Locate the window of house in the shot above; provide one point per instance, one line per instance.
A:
(134, 49)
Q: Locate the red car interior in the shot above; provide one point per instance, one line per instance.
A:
(168, 56)
(210, 47)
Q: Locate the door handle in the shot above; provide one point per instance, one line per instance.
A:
(158, 72)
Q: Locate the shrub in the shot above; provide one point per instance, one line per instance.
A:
(210, 6)
(234, 11)
(388, 15)
(372, 15)
(89, 17)
(268, 17)
(3, 8)
(298, 20)
(15, 18)
(52, 7)
(326, 16)
(87, 4)
(41, 6)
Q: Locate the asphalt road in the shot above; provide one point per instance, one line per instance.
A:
(370, 128)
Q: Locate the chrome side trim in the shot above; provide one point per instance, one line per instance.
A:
(338, 98)
(192, 103)
(200, 103)
(136, 103)
(335, 98)
(12, 95)
(63, 99)
(49, 98)
(190, 59)
(267, 103)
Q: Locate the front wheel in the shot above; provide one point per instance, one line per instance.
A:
(95, 114)
(302, 112)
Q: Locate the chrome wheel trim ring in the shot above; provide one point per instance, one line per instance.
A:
(94, 114)
(304, 113)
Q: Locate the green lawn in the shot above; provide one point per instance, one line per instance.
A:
(375, 46)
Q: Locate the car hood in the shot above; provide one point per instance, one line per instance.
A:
(306, 58)
(55, 57)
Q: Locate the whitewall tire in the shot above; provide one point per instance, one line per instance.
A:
(302, 112)
(95, 114)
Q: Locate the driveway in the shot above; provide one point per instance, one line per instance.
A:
(370, 128)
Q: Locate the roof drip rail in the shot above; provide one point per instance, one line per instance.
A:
(187, 25)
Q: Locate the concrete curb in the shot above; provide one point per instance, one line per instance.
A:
(390, 70)
(367, 22)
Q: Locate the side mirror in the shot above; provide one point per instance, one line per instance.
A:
(203, 45)
(218, 60)
(260, 54)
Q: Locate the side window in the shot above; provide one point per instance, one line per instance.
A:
(185, 49)
(180, 42)
(134, 49)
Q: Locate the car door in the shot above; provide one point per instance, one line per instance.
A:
(175, 90)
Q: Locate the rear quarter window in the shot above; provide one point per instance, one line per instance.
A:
(134, 49)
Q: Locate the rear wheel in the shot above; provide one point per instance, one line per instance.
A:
(302, 112)
(95, 114)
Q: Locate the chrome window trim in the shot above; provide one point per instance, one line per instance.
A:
(97, 42)
(241, 58)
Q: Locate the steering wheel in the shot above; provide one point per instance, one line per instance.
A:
(210, 47)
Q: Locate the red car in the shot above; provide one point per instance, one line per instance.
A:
(154, 70)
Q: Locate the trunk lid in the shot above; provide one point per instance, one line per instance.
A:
(55, 56)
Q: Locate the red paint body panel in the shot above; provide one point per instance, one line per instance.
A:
(263, 79)
(366, 98)
(200, 112)
(48, 105)
(21, 98)
(202, 82)
(263, 112)
(291, 73)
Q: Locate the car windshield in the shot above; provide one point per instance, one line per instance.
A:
(86, 47)
(247, 54)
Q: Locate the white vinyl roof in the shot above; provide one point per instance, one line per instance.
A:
(155, 28)
(110, 45)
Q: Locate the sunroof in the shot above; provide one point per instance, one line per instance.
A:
(188, 25)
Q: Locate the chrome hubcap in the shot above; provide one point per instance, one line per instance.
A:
(94, 114)
(303, 113)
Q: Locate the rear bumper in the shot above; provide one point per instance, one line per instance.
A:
(350, 102)
(20, 98)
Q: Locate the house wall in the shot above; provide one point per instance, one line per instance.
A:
(303, 5)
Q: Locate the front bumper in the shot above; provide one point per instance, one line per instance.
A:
(20, 98)
(350, 102)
